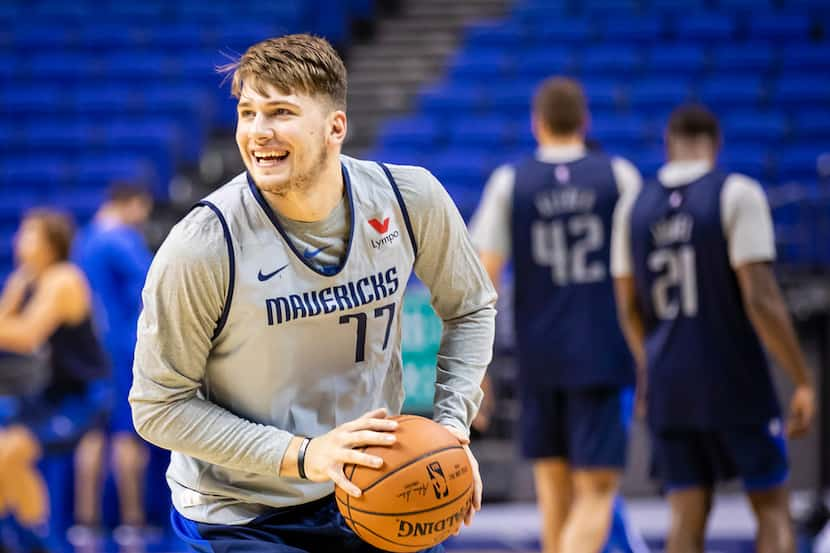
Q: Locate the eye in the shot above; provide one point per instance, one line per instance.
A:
(246, 113)
(282, 111)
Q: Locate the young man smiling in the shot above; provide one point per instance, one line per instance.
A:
(265, 368)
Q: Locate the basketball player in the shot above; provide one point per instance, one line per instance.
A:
(46, 304)
(269, 347)
(113, 255)
(696, 292)
(552, 215)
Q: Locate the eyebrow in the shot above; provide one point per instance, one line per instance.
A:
(248, 103)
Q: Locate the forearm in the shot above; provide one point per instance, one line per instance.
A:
(465, 352)
(631, 319)
(15, 338)
(206, 431)
(771, 320)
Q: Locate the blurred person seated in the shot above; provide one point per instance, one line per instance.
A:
(45, 311)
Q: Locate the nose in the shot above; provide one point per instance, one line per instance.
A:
(260, 129)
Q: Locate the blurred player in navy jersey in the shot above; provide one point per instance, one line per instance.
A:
(46, 304)
(696, 292)
(113, 254)
(551, 214)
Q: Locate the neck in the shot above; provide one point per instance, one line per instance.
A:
(551, 140)
(108, 214)
(313, 203)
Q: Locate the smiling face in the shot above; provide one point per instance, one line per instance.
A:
(284, 139)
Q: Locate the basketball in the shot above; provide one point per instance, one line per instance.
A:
(420, 495)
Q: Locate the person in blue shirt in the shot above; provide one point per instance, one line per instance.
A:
(46, 309)
(112, 252)
(697, 299)
(551, 214)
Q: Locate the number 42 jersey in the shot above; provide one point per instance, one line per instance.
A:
(565, 317)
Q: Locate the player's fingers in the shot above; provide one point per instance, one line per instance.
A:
(368, 437)
(375, 414)
(337, 476)
(355, 457)
(380, 425)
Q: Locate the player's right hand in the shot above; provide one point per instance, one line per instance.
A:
(326, 455)
(802, 410)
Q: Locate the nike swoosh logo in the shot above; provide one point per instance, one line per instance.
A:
(308, 253)
(263, 278)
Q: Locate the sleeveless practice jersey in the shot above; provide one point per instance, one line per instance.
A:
(706, 367)
(566, 325)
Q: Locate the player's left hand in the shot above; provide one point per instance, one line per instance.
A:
(478, 487)
(802, 410)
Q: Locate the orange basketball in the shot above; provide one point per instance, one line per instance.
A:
(419, 497)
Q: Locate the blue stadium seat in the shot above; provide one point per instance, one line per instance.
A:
(235, 38)
(602, 94)
(779, 27)
(495, 35)
(137, 66)
(481, 133)
(644, 29)
(806, 57)
(649, 161)
(813, 124)
(620, 133)
(752, 127)
(658, 93)
(675, 6)
(105, 99)
(15, 101)
(443, 100)
(748, 160)
(179, 35)
(397, 155)
(480, 64)
(799, 162)
(685, 60)
(803, 91)
(44, 36)
(189, 106)
(539, 63)
(570, 30)
(96, 173)
(512, 100)
(64, 68)
(108, 36)
(136, 11)
(610, 60)
(529, 13)
(418, 133)
(63, 138)
(707, 27)
(594, 8)
(199, 67)
(461, 167)
(723, 92)
(158, 141)
(751, 57)
(32, 174)
(732, 6)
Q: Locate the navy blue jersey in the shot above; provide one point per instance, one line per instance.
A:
(706, 366)
(565, 317)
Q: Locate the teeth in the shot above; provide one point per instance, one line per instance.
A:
(270, 155)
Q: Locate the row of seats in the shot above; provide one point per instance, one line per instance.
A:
(713, 28)
(651, 7)
(624, 58)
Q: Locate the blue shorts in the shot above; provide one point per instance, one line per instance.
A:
(588, 428)
(309, 528)
(697, 458)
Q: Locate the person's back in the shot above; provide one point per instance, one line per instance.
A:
(695, 293)
(552, 215)
(701, 349)
(561, 221)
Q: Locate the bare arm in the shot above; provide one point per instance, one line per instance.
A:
(631, 323)
(769, 316)
(13, 292)
(61, 297)
(494, 264)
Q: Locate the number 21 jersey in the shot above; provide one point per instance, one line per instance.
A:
(706, 367)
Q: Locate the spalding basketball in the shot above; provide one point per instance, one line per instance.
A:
(420, 495)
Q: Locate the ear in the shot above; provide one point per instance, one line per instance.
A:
(338, 126)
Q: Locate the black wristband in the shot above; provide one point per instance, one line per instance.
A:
(301, 458)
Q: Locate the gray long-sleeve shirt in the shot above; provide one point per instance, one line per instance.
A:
(229, 425)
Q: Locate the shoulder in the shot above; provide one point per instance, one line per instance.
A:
(419, 188)
(64, 277)
(196, 237)
(740, 191)
(626, 174)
